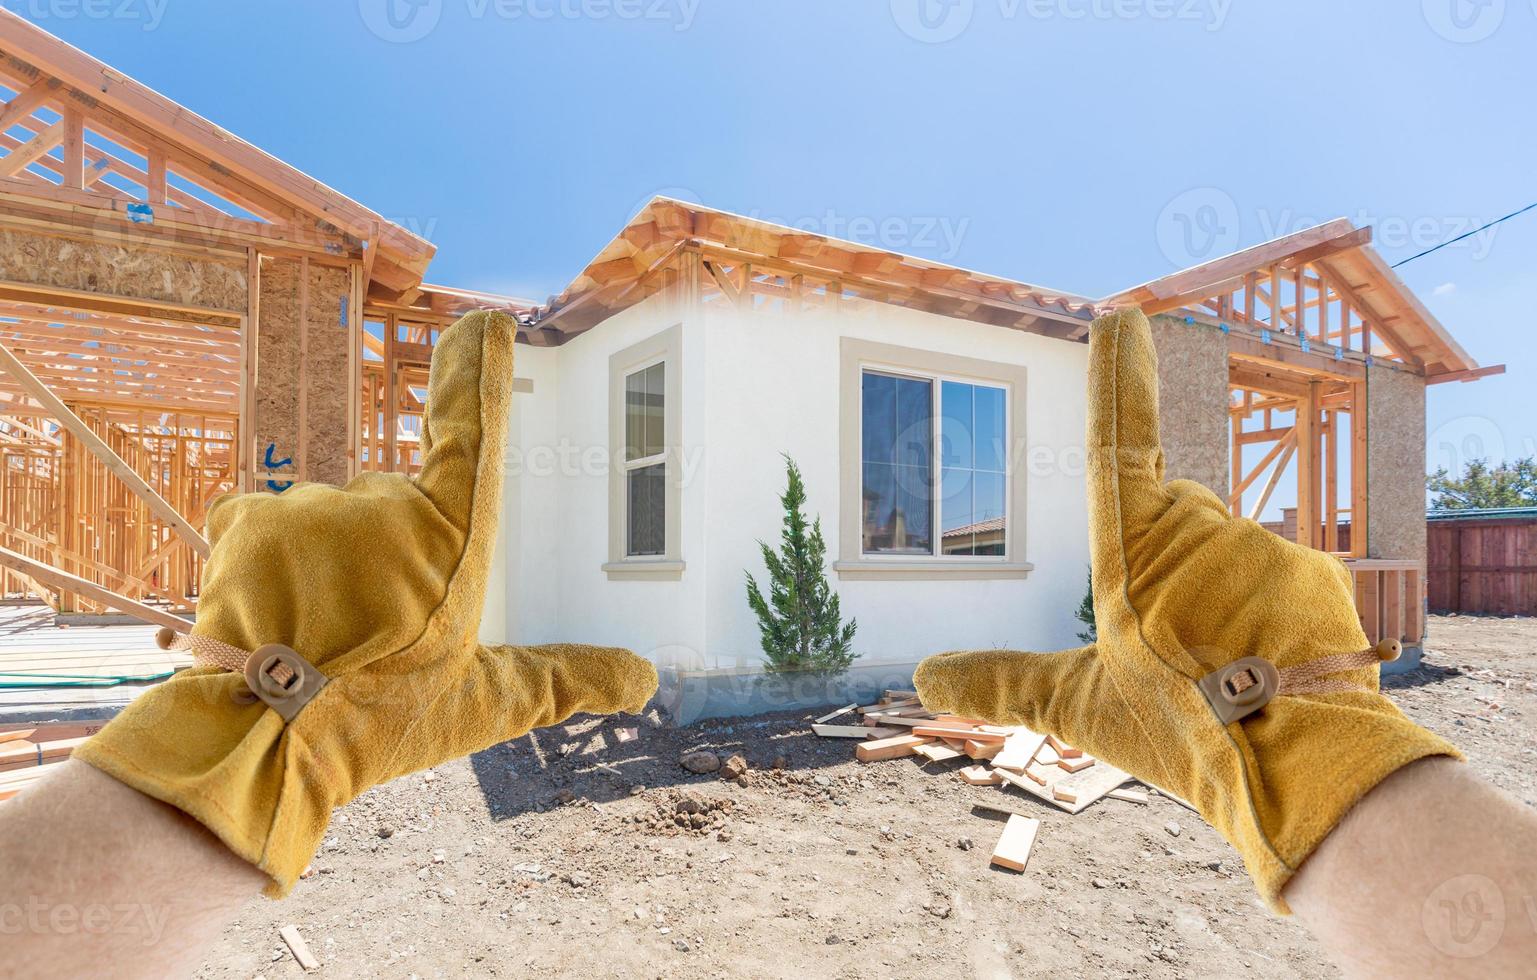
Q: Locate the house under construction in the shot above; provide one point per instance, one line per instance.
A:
(182, 315)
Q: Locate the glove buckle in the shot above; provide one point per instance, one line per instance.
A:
(1241, 688)
(284, 680)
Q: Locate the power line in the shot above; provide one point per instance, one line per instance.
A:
(1465, 235)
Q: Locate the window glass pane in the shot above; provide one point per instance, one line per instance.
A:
(656, 398)
(644, 396)
(991, 450)
(646, 494)
(955, 424)
(973, 481)
(879, 417)
(897, 436)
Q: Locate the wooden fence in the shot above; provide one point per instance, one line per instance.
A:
(1484, 565)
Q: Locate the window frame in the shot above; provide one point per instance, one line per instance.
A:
(858, 356)
(666, 348)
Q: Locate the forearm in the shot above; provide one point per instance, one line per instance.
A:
(94, 873)
(1434, 872)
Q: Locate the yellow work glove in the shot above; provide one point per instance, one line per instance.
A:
(376, 590)
(1184, 590)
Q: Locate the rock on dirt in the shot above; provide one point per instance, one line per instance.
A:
(734, 768)
(700, 762)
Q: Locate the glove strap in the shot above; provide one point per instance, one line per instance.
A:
(1244, 686)
(275, 673)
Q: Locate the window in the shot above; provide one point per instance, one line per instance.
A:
(904, 477)
(645, 499)
(645, 463)
(929, 490)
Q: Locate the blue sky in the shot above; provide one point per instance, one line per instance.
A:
(1081, 144)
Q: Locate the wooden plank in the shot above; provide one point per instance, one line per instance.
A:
(982, 750)
(1128, 795)
(299, 947)
(1019, 749)
(74, 583)
(99, 448)
(980, 776)
(1075, 765)
(939, 752)
(1013, 848)
(889, 748)
(833, 714)
(966, 734)
(26, 754)
(854, 731)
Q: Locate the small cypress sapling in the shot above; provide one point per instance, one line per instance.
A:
(1085, 613)
(800, 621)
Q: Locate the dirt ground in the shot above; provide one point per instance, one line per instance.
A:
(538, 859)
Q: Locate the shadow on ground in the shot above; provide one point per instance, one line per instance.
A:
(584, 759)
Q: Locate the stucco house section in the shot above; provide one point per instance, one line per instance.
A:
(756, 385)
(938, 417)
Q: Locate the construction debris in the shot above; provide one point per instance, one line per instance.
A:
(1013, 849)
(299, 948)
(1044, 767)
(29, 752)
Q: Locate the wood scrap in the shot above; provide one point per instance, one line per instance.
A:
(980, 776)
(1065, 795)
(946, 731)
(854, 731)
(1069, 764)
(889, 748)
(938, 752)
(25, 754)
(299, 948)
(1013, 848)
(982, 750)
(833, 714)
(1046, 755)
(1129, 795)
(1018, 750)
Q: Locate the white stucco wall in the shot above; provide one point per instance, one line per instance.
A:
(755, 385)
(773, 387)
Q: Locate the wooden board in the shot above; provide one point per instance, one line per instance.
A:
(1013, 848)
(939, 752)
(1018, 749)
(854, 731)
(966, 734)
(889, 748)
(833, 714)
(980, 776)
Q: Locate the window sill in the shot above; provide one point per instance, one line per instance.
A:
(643, 570)
(933, 570)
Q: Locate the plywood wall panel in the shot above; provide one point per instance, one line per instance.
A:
(327, 374)
(1395, 464)
(135, 271)
(1193, 401)
(277, 366)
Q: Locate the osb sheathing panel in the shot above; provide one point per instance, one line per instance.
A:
(136, 271)
(1395, 499)
(1192, 401)
(277, 366)
(327, 375)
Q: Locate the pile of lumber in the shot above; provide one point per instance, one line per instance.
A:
(1008, 757)
(30, 752)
